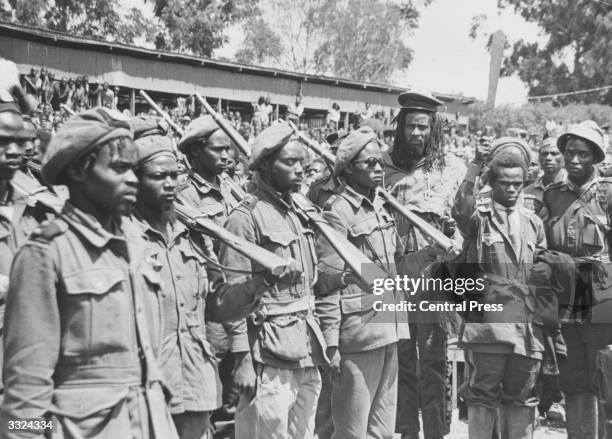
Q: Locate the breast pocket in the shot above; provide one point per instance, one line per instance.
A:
(98, 317)
(196, 283)
(591, 238)
(281, 242)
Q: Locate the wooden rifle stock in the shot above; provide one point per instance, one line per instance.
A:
(270, 261)
(360, 264)
(427, 229)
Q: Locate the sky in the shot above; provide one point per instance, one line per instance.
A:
(446, 59)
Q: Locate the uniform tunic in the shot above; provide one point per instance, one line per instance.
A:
(363, 398)
(78, 338)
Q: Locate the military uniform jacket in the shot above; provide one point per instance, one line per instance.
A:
(534, 193)
(578, 223)
(370, 227)
(215, 202)
(506, 267)
(291, 330)
(78, 338)
(187, 359)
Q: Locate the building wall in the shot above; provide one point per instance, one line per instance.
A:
(176, 78)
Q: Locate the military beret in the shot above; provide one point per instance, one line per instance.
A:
(590, 132)
(351, 146)
(423, 101)
(79, 135)
(150, 136)
(269, 140)
(505, 143)
(198, 129)
(11, 124)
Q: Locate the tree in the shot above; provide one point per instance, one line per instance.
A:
(357, 39)
(577, 55)
(98, 19)
(198, 26)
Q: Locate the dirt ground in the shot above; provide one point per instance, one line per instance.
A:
(459, 430)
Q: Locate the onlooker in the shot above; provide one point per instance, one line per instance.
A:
(295, 110)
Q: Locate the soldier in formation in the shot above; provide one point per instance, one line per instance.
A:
(112, 334)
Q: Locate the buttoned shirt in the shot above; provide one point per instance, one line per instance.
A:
(577, 222)
(507, 262)
(213, 200)
(187, 359)
(369, 226)
(79, 322)
(291, 340)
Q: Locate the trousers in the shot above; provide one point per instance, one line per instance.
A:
(427, 386)
(284, 405)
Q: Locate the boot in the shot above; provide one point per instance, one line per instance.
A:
(480, 422)
(519, 421)
(581, 413)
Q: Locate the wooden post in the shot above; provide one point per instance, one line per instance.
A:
(276, 112)
(219, 106)
(346, 120)
(133, 102)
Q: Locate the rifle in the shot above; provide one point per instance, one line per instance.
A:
(194, 220)
(360, 264)
(427, 229)
(67, 110)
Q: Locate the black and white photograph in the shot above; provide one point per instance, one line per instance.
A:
(305, 219)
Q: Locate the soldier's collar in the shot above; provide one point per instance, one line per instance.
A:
(273, 196)
(570, 185)
(355, 198)
(178, 228)
(203, 185)
(89, 227)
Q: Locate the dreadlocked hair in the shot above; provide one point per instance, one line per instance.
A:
(434, 148)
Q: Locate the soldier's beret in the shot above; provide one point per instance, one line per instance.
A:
(12, 122)
(549, 141)
(269, 140)
(351, 146)
(79, 135)
(591, 133)
(505, 143)
(151, 137)
(197, 130)
(418, 101)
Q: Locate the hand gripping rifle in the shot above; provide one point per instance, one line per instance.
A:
(427, 229)
(360, 264)
(194, 220)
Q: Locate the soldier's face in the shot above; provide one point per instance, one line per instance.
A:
(110, 182)
(416, 131)
(365, 171)
(213, 157)
(286, 171)
(579, 159)
(507, 187)
(551, 159)
(11, 146)
(157, 183)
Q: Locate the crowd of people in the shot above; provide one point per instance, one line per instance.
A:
(152, 284)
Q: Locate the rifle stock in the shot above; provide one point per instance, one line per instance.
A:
(360, 264)
(270, 261)
(427, 229)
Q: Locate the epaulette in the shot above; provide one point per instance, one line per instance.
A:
(555, 185)
(47, 230)
(248, 202)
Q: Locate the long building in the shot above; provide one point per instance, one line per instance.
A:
(164, 75)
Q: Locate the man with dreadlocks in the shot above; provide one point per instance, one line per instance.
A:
(423, 178)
